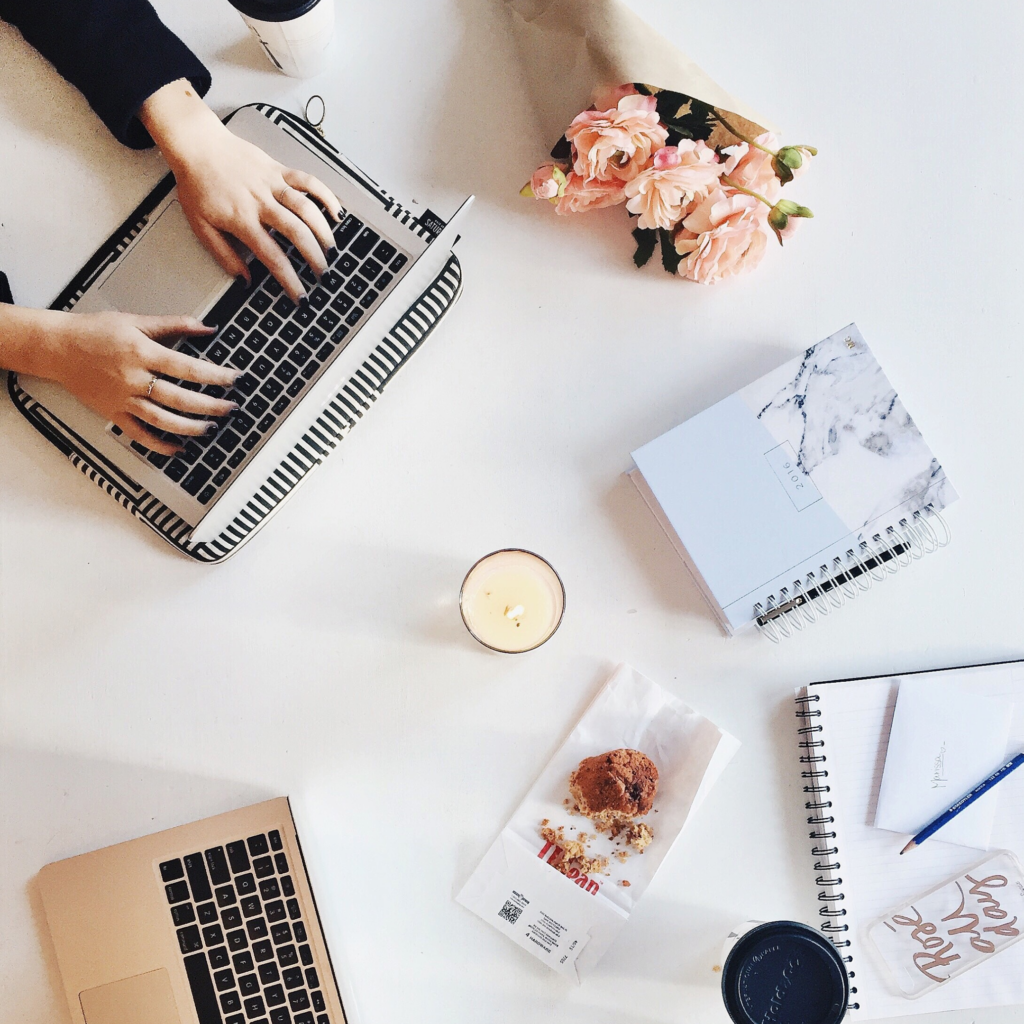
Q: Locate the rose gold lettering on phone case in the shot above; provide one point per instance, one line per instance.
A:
(937, 949)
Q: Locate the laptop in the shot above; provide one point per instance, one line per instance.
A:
(209, 923)
(294, 359)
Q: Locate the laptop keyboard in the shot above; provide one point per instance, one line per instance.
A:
(282, 349)
(242, 935)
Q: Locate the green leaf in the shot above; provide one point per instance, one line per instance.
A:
(782, 172)
(691, 118)
(676, 134)
(562, 151)
(670, 259)
(645, 242)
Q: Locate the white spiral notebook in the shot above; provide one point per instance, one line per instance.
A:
(844, 730)
(799, 490)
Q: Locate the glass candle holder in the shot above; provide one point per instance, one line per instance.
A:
(512, 601)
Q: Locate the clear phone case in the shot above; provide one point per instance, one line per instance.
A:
(955, 926)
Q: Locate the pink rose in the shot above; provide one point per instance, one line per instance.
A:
(724, 236)
(681, 174)
(582, 194)
(547, 182)
(618, 142)
(752, 168)
(607, 96)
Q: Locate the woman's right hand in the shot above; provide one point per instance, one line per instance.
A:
(108, 361)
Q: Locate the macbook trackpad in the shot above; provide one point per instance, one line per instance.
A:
(167, 271)
(146, 997)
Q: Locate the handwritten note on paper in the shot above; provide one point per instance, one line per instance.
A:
(954, 927)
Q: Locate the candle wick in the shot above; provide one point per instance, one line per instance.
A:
(514, 613)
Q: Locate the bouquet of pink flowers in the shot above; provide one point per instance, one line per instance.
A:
(700, 189)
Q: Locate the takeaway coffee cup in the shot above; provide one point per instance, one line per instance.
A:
(783, 972)
(294, 34)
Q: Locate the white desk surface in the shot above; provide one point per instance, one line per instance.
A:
(328, 660)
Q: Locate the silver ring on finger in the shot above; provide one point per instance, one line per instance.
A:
(317, 126)
(152, 384)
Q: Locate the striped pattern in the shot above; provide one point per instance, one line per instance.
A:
(311, 139)
(333, 424)
(343, 412)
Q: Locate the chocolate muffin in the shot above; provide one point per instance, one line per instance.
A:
(618, 784)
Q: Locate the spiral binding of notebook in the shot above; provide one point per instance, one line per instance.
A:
(787, 612)
(823, 847)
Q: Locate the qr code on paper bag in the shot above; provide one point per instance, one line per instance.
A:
(510, 912)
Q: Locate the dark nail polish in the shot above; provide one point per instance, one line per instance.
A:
(212, 429)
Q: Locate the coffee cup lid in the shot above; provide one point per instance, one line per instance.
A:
(273, 10)
(785, 972)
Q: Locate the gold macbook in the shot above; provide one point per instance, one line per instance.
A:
(209, 923)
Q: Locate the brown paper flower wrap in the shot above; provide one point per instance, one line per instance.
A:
(699, 171)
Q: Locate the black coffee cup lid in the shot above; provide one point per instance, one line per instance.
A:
(785, 972)
(273, 10)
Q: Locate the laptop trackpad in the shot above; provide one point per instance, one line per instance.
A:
(146, 997)
(167, 271)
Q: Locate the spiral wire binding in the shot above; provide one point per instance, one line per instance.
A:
(823, 845)
(821, 593)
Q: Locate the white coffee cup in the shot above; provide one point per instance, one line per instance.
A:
(294, 34)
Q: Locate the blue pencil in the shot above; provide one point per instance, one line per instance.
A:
(965, 801)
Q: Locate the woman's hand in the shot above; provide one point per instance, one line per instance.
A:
(230, 189)
(109, 360)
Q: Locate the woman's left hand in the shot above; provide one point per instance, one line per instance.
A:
(230, 189)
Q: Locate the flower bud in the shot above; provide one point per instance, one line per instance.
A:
(782, 170)
(779, 214)
(667, 157)
(548, 182)
(791, 161)
(777, 220)
(791, 157)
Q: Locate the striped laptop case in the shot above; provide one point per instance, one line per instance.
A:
(347, 408)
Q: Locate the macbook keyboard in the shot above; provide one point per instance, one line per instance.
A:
(281, 347)
(242, 935)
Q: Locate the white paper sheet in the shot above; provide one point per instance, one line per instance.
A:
(570, 922)
(944, 740)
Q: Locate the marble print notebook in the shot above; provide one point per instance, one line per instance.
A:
(799, 490)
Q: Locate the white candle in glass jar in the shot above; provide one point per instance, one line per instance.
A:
(512, 601)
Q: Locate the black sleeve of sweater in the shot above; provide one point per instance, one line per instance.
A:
(117, 52)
